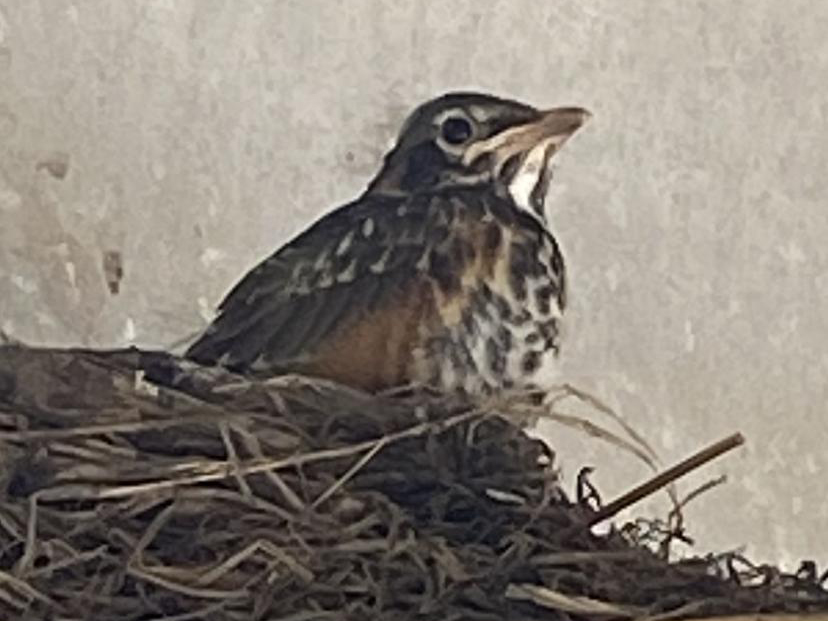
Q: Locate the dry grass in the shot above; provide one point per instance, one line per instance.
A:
(301, 500)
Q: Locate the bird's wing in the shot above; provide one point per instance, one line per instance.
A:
(347, 263)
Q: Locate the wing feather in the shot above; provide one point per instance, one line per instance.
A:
(336, 271)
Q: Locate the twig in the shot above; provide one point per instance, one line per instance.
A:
(665, 478)
(233, 458)
(350, 474)
(576, 604)
(206, 471)
(637, 445)
(27, 558)
(260, 545)
(676, 517)
(222, 594)
(26, 589)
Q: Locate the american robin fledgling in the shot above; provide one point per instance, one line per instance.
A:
(444, 272)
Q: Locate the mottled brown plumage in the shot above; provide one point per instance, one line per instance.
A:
(442, 273)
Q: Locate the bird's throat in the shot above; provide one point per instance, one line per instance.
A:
(530, 180)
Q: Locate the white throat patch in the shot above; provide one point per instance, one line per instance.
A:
(525, 180)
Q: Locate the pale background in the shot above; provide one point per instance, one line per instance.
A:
(197, 135)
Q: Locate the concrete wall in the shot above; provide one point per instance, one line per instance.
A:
(188, 138)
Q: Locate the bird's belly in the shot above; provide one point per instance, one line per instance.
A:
(500, 342)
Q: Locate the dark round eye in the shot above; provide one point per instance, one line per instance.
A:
(456, 130)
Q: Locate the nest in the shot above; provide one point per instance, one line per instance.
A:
(134, 487)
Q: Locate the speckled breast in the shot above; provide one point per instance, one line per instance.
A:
(499, 285)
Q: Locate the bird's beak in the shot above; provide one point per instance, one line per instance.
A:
(550, 130)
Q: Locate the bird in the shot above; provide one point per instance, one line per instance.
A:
(443, 273)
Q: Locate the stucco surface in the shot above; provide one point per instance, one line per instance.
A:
(192, 137)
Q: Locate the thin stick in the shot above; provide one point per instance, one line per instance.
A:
(668, 476)
(194, 472)
(350, 474)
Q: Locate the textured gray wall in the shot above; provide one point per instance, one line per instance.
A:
(194, 136)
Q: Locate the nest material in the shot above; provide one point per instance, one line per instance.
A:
(217, 498)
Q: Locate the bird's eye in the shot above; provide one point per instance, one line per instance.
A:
(456, 130)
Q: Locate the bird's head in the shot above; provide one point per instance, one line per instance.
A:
(472, 139)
